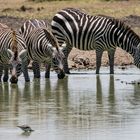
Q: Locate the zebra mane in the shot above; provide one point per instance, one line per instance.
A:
(121, 24)
(118, 22)
(14, 47)
(51, 39)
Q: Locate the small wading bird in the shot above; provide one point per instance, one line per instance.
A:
(25, 128)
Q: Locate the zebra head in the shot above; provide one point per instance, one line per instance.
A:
(137, 56)
(15, 70)
(19, 53)
(17, 64)
(58, 62)
(14, 58)
(15, 67)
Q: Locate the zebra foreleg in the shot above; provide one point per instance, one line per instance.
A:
(98, 60)
(25, 71)
(1, 70)
(111, 54)
(66, 51)
(47, 73)
(6, 74)
(36, 69)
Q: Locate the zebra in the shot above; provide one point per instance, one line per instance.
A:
(74, 28)
(25, 30)
(13, 52)
(40, 43)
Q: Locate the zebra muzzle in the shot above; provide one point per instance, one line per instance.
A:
(61, 75)
(14, 79)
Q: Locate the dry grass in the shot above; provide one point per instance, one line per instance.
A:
(48, 9)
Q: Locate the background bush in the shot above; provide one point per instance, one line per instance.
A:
(46, 0)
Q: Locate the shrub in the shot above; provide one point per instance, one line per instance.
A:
(45, 0)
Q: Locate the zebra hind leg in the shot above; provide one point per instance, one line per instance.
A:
(98, 60)
(1, 70)
(111, 54)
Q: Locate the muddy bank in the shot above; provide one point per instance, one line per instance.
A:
(86, 59)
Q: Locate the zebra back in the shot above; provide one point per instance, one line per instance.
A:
(30, 25)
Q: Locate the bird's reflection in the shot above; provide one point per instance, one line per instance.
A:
(26, 134)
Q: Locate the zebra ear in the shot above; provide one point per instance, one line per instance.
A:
(49, 45)
(23, 54)
(10, 53)
(138, 46)
(63, 45)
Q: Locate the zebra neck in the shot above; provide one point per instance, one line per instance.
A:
(49, 51)
(129, 45)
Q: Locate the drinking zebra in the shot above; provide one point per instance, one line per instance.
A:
(85, 32)
(13, 52)
(25, 30)
(42, 48)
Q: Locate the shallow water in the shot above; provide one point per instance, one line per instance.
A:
(83, 106)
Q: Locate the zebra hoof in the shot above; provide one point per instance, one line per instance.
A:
(14, 80)
(47, 75)
(38, 76)
(61, 75)
(27, 80)
(5, 79)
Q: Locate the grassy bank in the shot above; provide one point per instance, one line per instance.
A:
(29, 9)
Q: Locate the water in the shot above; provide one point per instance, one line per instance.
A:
(83, 106)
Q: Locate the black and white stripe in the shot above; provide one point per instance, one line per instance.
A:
(78, 29)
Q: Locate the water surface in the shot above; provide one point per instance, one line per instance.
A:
(83, 106)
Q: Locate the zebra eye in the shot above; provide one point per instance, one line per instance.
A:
(19, 65)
